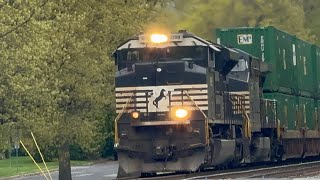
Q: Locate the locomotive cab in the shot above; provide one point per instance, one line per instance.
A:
(143, 62)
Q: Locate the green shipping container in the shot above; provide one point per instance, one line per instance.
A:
(286, 109)
(307, 110)
(270, 45)
(316, 60)
(318, 114)
(305, 71)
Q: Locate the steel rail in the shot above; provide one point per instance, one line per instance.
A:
(257, 171)
(277, 171)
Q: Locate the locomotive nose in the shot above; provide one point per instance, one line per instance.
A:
(162, 150)
(169, 72)
(159, 73)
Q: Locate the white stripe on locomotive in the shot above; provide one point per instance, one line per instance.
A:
(198, 92)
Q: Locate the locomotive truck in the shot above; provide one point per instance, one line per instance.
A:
(185, 103)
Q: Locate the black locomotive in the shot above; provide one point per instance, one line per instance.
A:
(185, 103)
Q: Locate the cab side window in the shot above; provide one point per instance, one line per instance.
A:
(241, 66)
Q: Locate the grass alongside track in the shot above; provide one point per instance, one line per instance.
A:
(24, 165)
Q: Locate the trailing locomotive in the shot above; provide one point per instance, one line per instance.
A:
(185, 103)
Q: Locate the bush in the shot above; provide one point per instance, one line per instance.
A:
(7, 154)
(108, 149)
(49, 153)
(76, 153)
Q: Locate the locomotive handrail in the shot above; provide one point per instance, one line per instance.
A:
(196, 105)
(116, 138)
(278, 129)
(246, 124)
(205, 116)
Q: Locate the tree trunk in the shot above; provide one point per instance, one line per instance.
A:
(64, 162)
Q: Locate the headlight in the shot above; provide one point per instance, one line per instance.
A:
(181, 113)
(135, 115)
(158, 38)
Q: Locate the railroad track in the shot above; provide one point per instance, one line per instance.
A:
(293, 170)
(262, 171)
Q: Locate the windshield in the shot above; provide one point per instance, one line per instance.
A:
(186, 53)
(241, 66)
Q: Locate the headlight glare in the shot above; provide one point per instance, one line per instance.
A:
(158, 38)
(181, 113)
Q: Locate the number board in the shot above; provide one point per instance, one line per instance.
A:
(176, 37)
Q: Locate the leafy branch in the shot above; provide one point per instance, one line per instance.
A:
(33, 11)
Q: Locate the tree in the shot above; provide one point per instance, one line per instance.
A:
(202, 17)
(57, 78)
(312, 12)
(22, 83)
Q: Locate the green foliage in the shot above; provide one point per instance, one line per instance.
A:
(77, 153)
(202, 17)
(108, 148)
(312, 11)
(4, 137)
(57, 77)
(108, 133)
(48, 154)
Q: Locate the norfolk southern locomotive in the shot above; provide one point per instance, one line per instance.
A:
(185, 103)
